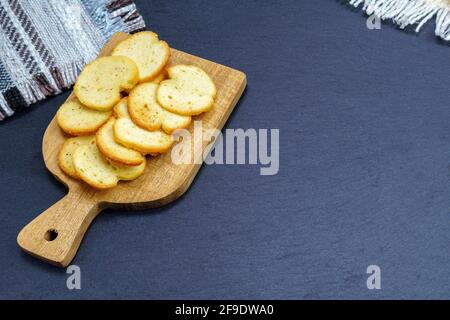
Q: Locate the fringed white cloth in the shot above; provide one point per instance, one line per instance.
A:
(410, 13)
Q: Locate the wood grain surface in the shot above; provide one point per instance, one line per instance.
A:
(55, 235)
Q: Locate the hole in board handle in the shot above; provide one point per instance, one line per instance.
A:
(51, 235)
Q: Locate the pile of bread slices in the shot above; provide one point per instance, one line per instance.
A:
(126, 106)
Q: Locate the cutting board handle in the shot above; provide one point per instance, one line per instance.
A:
(55, 235)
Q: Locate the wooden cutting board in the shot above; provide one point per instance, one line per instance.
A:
(55, 235)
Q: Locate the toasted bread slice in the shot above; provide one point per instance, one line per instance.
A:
(143, 108)
(189, 91)
(130, 135)
(92, 167)
(173, 121)
(75, 119)
(148, 52)
(121, 109)
(146, 112)
(125, 172)
(107, 145)
(65, 157)
(100, 83)
(101, 173)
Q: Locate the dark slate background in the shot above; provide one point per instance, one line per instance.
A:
(364, 169)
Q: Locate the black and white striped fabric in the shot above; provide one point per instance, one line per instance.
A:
(45, 44)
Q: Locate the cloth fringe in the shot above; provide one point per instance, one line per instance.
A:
(410, 13)
(116, 16)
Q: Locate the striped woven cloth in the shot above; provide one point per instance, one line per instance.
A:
(45, 44)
